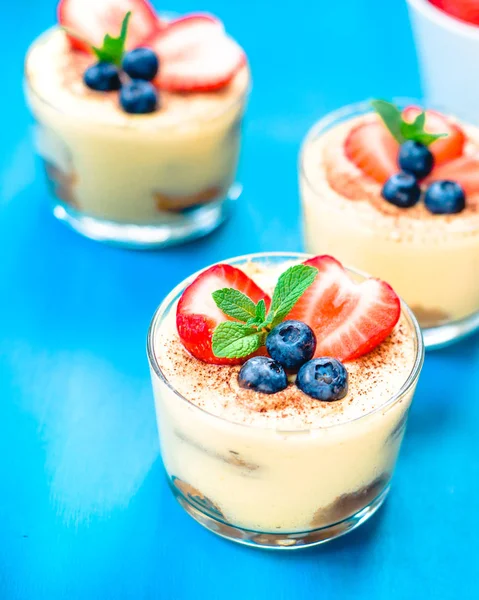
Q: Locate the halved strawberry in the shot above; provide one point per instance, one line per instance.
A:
(348, 319)
(197, 314)
(196, 55)
(373, 149)
(464, 170)
(92, 19)
(184, 33)
(444, 149)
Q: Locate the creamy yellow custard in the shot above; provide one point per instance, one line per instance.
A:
(125, 168)
(431, 260)
(282, 462)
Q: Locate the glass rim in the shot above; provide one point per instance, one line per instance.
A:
(444, 19)
(363, 107)
(208, 118)
(410, 380)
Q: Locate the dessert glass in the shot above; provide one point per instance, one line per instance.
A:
(139, 183)
(446, 49)
(433, 266)
(274, 487)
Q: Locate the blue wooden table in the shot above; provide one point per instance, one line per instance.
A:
(85, 512)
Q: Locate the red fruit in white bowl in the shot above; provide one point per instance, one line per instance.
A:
(92, 19)
(196, 55)
(197, 315)
(464, 10)
(349, 319)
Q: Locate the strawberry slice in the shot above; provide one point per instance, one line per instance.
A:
(92, 19)
(464, 170)
(208, 68)
(444, 149)
(197, 314)
(464, 10)
(196, 55)
(349, 319)
(184, 34)
(373, 149)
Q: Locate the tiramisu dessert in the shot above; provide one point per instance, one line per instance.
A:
(139, 120)
(395, 191)
(282, 385)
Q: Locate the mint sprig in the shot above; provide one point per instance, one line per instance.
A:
(402, 130)
(235, 340)
(235, 304)
(290, 287)
(240, 338)
(113, 47)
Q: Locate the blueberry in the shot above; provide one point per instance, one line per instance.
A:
(291, 343)
(262, 374)
(102, 77)
(401, 189)
(324, 379)
(445, 197)
(415, 158)
(138, 97)
(141, 63)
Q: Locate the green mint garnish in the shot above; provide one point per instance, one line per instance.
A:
(240, 338)
(113, 47)
(402, 130)
(260, 311)
(235, 304)
(235, 340)
(290, 287)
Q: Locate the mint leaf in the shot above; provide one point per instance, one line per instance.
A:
(260, 312)
(420, 120)
(236, 340)
(234, 304)
(260, 316)
(290, 287)
(113, 47)
(392, 117)
(402, 130)
(415, 131)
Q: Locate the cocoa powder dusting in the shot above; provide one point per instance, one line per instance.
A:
(373, 379)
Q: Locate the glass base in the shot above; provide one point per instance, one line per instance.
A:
(279, 540)
(449, 333)
(193, 224)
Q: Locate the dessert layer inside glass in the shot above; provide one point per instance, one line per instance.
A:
(281, 462)
(143, 169)
(429, 259)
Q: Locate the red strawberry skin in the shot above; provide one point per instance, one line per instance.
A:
(92, 19)
(349, 319)
(196, 55)
(372, 149)
(197, 315)
(210, 69)
(179, 36)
